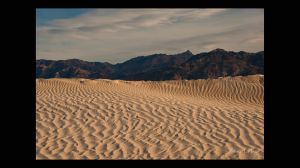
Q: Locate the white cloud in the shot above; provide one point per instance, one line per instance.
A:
(255, 40)
(115, 35)
(98, 20)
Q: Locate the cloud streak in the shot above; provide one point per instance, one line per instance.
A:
(129, 19)
(115, 35)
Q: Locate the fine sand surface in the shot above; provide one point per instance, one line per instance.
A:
(114, 119)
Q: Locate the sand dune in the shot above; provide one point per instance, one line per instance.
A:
(114, 119)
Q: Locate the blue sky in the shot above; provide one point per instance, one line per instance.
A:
(45, 15)
(115, 35)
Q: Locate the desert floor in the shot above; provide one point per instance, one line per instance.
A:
(114, 119)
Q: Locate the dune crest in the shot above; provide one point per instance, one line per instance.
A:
(183, 119)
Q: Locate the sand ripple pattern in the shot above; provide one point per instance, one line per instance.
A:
(115, 119)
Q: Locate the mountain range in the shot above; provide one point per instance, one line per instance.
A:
(186, 65)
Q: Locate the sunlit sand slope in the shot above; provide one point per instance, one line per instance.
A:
(114, 119)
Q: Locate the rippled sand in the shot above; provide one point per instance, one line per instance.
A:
(115, 119)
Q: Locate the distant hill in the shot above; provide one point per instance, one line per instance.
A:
(186, 65)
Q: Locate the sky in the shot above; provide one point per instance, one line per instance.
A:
(116, 35)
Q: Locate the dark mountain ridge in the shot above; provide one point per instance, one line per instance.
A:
(186, 65)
